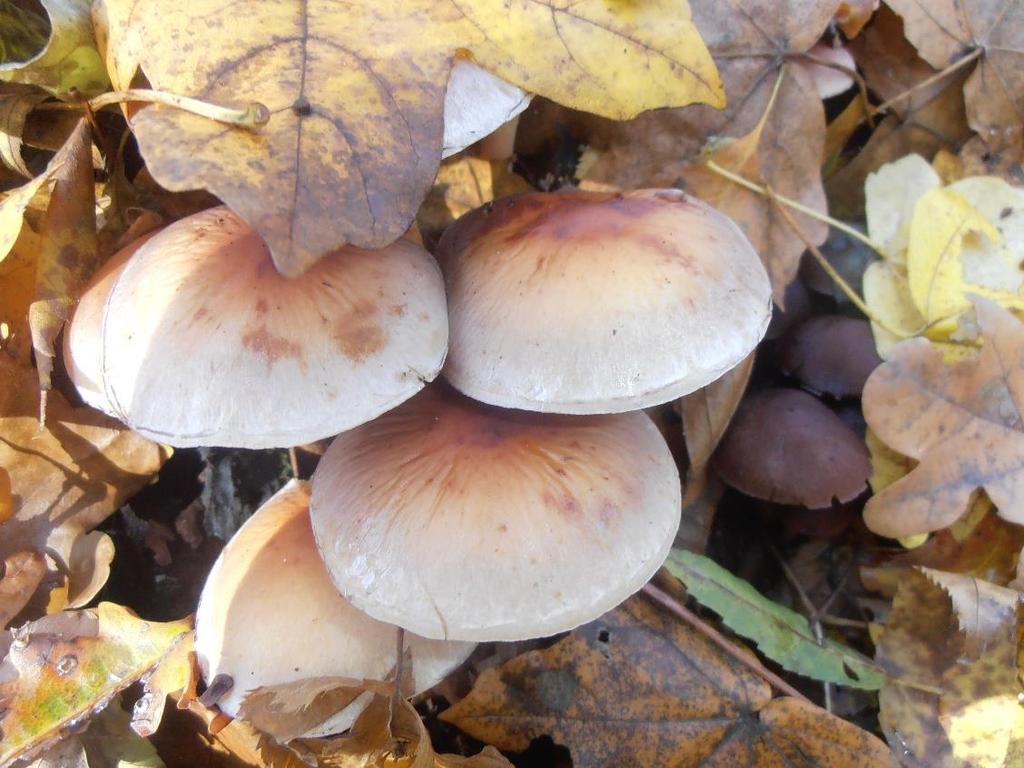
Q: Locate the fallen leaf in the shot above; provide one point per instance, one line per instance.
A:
(960, 422)
(462, 184)
(943, 706)
(753, 45)
(852, 16)
(67, 477)
(6, 502)
(781, 634)
(69, 61)
(979, 159)
(107, 742)
(322, 173)
(69, 251)
(15, 106)
(13, 206)
(945, 31)
(17, 287)
(23, 572)
(176, 673)
(54, 680)
(637, 688)
(890, 194)
(924, 114)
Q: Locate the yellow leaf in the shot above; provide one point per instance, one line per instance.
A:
(889, 197)
(61, 677)
(887, 294)
(943, 221)
(356, 94)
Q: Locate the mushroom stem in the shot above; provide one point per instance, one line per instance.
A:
(667, 602)
(396, 695)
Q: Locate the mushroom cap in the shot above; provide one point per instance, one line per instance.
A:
(831, 354)
(785, 446)
(200, 341)
(269, 615)
(462, 521)
(592, 302)
(477, 103)
(82, 345)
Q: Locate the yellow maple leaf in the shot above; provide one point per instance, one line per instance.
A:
(356, 95)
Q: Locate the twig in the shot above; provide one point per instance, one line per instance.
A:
(293, 458)
(671, 605)
(975, 54)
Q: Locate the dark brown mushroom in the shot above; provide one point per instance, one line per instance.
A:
(830, 354)
(785, 446)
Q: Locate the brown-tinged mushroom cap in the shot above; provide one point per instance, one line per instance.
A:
(203, 342)
(831, 354)
(270, 616)
(785, 446)
(585, 302)
(462, 521)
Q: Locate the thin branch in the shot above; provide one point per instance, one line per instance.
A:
(954, 67)
(673, 606)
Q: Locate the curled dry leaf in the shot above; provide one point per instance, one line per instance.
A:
(69, 61)
(15, 106)
(961, 422)
(23, 571)
(853, 15)
(322, 173)
(637, 688)
(175, 674)
(944, 31)
(67, 477)
(55, 679)
(753, 44)
(787, 447)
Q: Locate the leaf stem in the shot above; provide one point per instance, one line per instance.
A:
(673, 606)
(252, 117)
(884, 106)
(794, 204)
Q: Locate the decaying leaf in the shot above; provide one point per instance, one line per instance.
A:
(950, 702)
(356, 96)
(176, 673)
(108, 741)
(53, 679)
(14, 204)
(69, 61)
(753, 45)
(67, 477)
(781, 634)
(69, 249)
(636, 688)
(23, 571)
(961, 422)
(944, 31)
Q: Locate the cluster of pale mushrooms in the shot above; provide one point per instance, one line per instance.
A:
(525, 496)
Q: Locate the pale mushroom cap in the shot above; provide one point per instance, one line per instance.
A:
(584, 302)
(203, 342)
(475, 104)
(462, 521)
(82, 345)
(269, 615)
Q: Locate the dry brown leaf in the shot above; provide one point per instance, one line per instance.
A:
(961, 422)
(356, 95)
(17, 287)
(944, 31)
(926, 120)
(67, 477)
(752, 43)
(6, 501)
(637, 688)
(16, 102)
(979, 159)
(23, 572)
(960, 707)
(68, 254)
(852, 16)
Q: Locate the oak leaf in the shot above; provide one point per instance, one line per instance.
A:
(23, 571)
(945, 31)
(356, 95)
(636, 688)
(67, 477)
(961, 422)
(56, 678)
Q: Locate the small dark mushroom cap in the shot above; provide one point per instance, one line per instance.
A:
(785, 446)
(832, 354)
(586, 302)
(464, 521)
